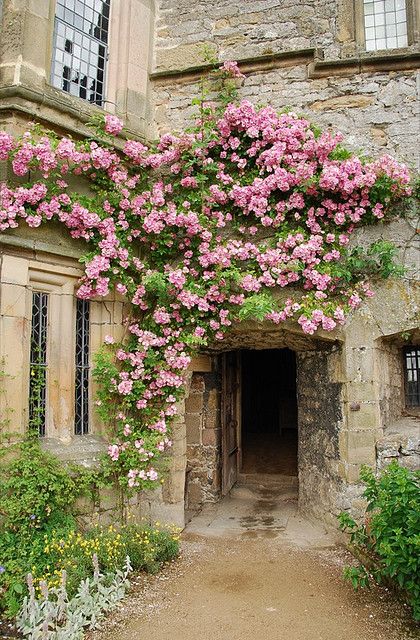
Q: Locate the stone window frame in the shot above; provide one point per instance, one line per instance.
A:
(127, 69)
(359, 27)
(61, 22)
(408, 410)
(60, 284)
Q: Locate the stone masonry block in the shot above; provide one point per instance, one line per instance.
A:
(178, 463)
(367, 418)
(360, 364)
(173, 488)
(178, 430)
(197, 384)
(362, 391)
(13, 300)
(209, 437)
(194, 403)
(213, 400)
(195, 495)
(108, 499)
(211, 420)
(179, 445)
(361, 447)
(349, 472)
(193, 426)
(14, 270)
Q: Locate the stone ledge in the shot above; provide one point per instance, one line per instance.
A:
(15, 99)
(364, 64)
(38, 245)
(316, 66)
(246, 65)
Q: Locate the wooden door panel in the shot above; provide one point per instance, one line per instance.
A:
(230, 419)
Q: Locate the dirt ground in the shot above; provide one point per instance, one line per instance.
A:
(251, 589)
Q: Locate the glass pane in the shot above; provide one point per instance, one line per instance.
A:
(390, 18)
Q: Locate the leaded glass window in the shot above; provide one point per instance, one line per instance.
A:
(81, 48)
(38, 363)
(412, 376)
(385, 24)
(81, 422)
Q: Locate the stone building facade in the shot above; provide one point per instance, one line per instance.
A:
(347, 64)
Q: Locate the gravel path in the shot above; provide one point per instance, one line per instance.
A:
(262, 577)
(251, 590)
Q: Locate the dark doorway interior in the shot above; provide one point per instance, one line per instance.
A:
(269, 412)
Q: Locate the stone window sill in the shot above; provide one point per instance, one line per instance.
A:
(85, 450)
(56, 109)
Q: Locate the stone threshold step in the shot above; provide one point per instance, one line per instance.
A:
(266, 480)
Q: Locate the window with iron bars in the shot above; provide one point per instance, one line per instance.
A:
(38, 363)
(81, 415)
(412, 376)
(80, 49)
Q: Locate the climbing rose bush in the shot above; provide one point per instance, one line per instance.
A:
(247, 214)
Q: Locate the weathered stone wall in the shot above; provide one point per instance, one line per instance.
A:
(235, 29)
(392, 382)
(202, 421)
(400, 443)
(248, 28)
(297, 56)
(376, 113)
(304, 55)
(320, 420)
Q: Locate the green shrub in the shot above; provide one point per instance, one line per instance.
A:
(389, 538)
(146, 547)
(39, 533)
(37, 498)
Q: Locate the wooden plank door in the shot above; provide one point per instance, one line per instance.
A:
(230, 407)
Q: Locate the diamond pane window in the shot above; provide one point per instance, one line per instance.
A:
(38, 363)
(81, 420)
(81, 48)
(412, 376)
(385, 24)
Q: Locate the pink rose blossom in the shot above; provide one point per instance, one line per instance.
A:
(113, 125)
